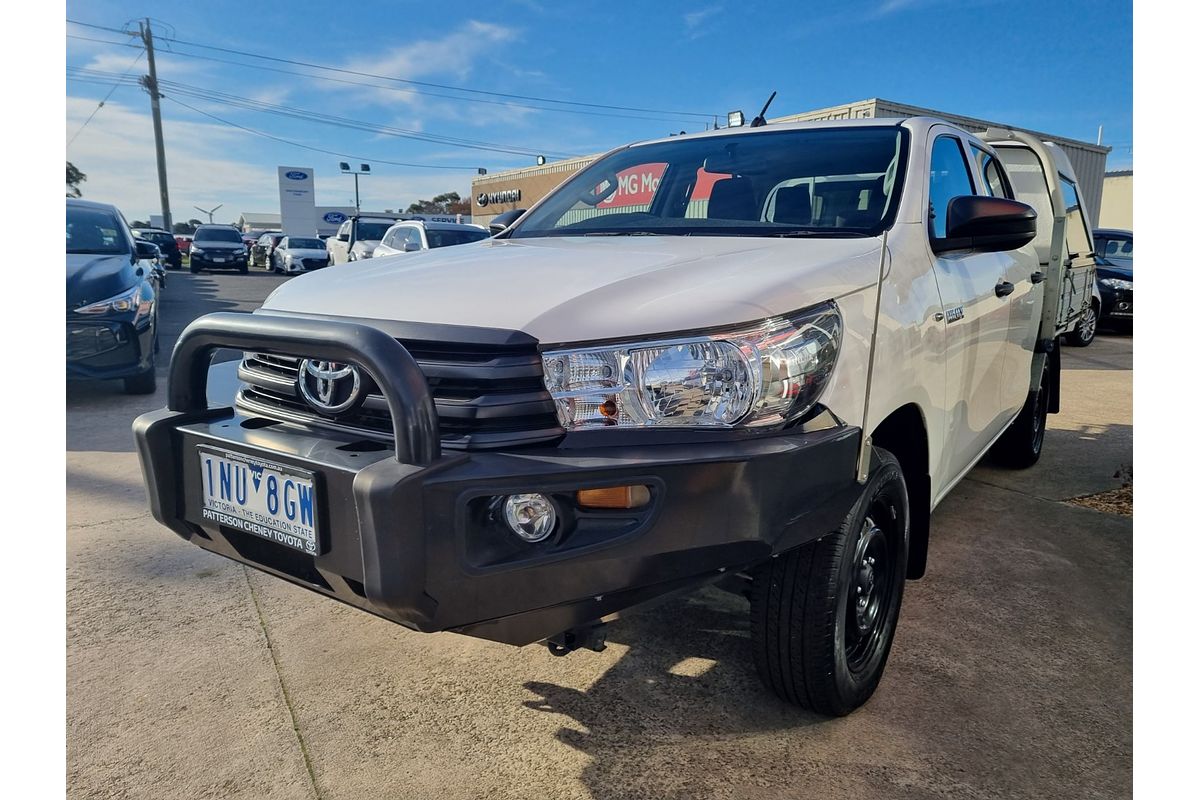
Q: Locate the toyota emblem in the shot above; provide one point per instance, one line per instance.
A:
(329, 387)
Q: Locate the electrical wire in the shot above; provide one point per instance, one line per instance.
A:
(96, 110)
(310, 147)
(427, 84)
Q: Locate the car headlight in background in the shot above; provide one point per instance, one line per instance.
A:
(756, 375)
(1117, 283)
(197, 251)
(123, 303)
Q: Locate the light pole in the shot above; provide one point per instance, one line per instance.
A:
(363, 169)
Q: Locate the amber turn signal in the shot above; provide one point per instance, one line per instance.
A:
(614, 497)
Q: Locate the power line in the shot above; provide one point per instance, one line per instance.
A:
(310, 147)
(397, 89)
(428, 84)
(105, 100)
(305, 115)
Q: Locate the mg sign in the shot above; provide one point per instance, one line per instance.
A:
(503, 196)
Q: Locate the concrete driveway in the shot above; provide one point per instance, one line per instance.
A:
(189, 676)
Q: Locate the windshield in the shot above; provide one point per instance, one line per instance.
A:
(820, 182)
(160, 239)
(305, 244)
(372, 231)
(451, 238)
(94, 230)
(218, 235)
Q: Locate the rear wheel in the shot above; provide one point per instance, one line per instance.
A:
(1020, 446)
(1085, 332)
(194, 267)
(144, 383)
(824, 615)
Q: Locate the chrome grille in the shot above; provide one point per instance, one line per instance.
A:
(486, 396)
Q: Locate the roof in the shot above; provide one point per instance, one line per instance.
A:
(1111, 232)
(77, 201)
(432, 225)
(1119, 173)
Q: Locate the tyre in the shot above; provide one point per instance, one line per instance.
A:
(195, 269)
(1085, 332)
(244, 268)
(823, 616)
(145, 383)
(1020, 446)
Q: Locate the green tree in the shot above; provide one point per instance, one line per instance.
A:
(446, 203)
(74, 178)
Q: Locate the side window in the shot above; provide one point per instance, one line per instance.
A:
(388, 237)
(949, 177)
(995, 182)
(283, 244)
(414, 236)
(345, 229)
(1079, 242)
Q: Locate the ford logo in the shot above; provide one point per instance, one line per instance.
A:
(334, 218)
(296, 175)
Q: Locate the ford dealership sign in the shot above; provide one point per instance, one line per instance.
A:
(297, 175)
(334, 218)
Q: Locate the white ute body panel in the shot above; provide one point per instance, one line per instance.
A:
(969, 376)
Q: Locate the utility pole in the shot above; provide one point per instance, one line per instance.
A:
(150, 82)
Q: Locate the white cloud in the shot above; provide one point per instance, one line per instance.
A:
(693, 19)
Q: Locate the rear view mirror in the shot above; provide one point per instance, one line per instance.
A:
(987, 225)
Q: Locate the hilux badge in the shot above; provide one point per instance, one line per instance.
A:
(327, 386)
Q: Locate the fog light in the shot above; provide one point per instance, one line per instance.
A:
(530, 516)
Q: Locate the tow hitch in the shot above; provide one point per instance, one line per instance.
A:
(590, 637)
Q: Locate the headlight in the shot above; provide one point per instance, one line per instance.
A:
(123, 303)
(762, 374)
(1117, 283)
(197, 251)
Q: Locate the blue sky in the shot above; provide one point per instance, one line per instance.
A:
(1060, 67)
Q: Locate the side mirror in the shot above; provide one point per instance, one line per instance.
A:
(343, 237)
(504, 220)
(987, 225)
(145, 249)
(411, 247)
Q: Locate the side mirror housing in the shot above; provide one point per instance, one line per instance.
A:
(411, 247)
(504, 219)
(343, 237)
(986, 225)
(144, 249)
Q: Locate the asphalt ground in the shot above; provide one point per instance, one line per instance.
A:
(189, 676)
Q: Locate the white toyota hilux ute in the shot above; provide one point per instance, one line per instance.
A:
(757, 357)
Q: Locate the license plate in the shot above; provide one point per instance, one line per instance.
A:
(260, 497)
(218, 260)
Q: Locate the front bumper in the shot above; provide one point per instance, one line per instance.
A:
(409, 534)
(207, 260)
(101, 349)
(1116, 304)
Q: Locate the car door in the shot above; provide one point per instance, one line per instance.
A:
(1025, 301)
(975, 314)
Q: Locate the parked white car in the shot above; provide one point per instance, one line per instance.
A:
(296, 254)
(765, 367)
(414, 235)
(356, 238)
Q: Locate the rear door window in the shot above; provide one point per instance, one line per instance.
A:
(1079, 238)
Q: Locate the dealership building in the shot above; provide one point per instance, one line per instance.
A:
(521, 188)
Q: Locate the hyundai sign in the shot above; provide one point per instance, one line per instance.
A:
(297, 201)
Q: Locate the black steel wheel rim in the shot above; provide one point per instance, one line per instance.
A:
(871, 588)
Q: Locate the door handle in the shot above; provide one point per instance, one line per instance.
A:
(1037, 277)
(1004, 289)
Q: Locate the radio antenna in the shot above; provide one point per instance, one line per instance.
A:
(761, 119)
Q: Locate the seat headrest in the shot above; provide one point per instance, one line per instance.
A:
(733, 198)
(793, 205)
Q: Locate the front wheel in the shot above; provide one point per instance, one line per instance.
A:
(823, 616)
(1085, 332)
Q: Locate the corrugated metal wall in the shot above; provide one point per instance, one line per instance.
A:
(1087, 160)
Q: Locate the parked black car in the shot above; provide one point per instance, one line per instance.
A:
(1114, 275)
(172, 258)
(112, 306)
(219, 247)
(263, 251)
